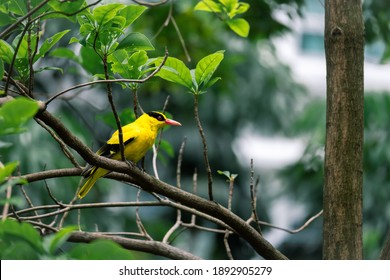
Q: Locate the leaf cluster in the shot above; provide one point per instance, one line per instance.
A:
(228, 10)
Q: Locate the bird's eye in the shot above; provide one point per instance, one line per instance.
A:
(160, 118)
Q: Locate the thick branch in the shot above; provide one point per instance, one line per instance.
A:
(151, 184)
(153, 247)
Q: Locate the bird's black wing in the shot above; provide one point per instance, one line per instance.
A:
(107, 150)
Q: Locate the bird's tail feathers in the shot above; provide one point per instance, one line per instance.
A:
(96, 174)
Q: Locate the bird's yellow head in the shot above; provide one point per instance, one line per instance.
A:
(159, 120)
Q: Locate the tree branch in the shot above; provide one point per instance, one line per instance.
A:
(153, 185)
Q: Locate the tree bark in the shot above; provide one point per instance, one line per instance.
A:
(385, 254)
(344, 49)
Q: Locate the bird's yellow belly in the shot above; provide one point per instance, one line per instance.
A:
(137, 149)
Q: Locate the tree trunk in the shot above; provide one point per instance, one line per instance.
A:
(385, 254)
(344, 49)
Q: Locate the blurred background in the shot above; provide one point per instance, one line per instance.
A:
(269, 107)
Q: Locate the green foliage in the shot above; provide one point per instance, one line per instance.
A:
(228, 175)
(21, 241)
(15, 113)
(197, 80)
(67, 7)
(101, 28)
(7, 170)
(100, 250)
(227, 10)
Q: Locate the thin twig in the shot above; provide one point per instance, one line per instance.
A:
(52, 196)
(169, 19)
(227, 232)
(305, 225)
(194, 190)
(28, 199)
(178, 222)
(179, 162)
(13, 26)
(181, 39)
(7, 197)
(253, 192)
(63, 146)
(205, 152)
(140, 225)
(156, 147)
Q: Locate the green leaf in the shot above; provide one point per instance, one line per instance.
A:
(7, 170)
(211, 82)
(17, 7)
(6, 19)
(240, 26)
(208, 6)
(6, 52)
(14, 233)
(131, 13)
(128, 67)
(65, 53)
(229, 4)
(91, 61)
(55, 241)
(15, 113)
(103, 14)
(17, 202)
(100, 250)
(206, 67)
(227, 175)
(241, 8)
(135, 42)
(49, 43)
(68, 7)
(52, 68)
(174, 70)
(118, 60)
(23, 48)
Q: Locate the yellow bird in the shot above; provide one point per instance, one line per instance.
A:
(138, 137)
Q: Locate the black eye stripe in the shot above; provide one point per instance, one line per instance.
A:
(158, 116)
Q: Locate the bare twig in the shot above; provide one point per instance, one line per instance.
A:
(178, 222)
(63, 146)
(154, 247)
(227, 232)
(179, 162)
(169, 19)
(6, 205)
(254, 197)
(194, 189)
(181, 39)
(156, 147)
(205, 152)
(52, 196)
(140, 225)
(305, 225)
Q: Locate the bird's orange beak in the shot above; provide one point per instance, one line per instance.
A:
(172, 122)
